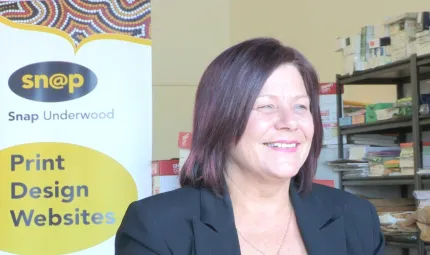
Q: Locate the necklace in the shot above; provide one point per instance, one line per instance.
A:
(250, 243)
(283, 239)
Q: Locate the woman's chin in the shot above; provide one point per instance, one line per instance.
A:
(284, 173)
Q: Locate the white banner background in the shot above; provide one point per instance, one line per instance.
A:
(124, 84)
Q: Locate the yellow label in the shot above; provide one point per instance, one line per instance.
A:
(58, 198)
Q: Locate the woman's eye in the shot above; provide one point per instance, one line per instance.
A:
(267, 108)
(301, 107)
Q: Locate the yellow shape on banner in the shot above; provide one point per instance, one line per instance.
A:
(91, 38)
(58, 198)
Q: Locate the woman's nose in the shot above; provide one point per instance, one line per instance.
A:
(287, 120)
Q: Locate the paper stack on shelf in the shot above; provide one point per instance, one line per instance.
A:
(383, 163)
(399, 37)
(360, 152)
(374, 140)
(423, 198)
(402, 33)
(354, 110)
(393, 213)
(407, 159)
(421, 217)
(350, 168)
(395, 205)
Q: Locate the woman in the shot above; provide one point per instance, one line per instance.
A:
(247, 183)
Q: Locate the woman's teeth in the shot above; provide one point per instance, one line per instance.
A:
(281, 145)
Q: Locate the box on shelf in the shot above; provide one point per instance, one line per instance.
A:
(371, 109)
(379, 42)
(165, 175)
(423, 42)
(352, 58)
(402, 22)
(423, 21)
(401, 40)
(411, 48)
(380, 53)
(365, 50)
(398, 54)
(184, 145)
(407, 26)
(352, 45)
(407, 153)
(352, 63)
(367, 34)
(382, 30)
(345, 121)
(423, 37)
(356, 50)
(403, 29)
(340, 44)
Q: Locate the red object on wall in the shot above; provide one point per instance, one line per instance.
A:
(329, 88)
(329, 183)
(184, 140)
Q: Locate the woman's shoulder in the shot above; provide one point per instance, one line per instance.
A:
(150, 221)
(170, 201)
(342, 201)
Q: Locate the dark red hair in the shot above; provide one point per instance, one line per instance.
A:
(225, 96)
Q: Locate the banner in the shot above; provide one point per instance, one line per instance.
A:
(75, 122)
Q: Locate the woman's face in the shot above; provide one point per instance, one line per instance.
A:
(279, 132)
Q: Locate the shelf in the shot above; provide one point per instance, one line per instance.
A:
(378, 180)
(382, 180)
(393, 73)
(423, 60)
(391, 125)
(406, 245)
(382, 125)
(401, 244)
(411, 70)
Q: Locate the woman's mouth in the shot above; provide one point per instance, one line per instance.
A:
(283, 146)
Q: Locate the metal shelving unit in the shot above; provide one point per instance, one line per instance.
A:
(411, 70)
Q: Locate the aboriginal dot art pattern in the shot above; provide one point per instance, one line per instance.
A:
(82, 18)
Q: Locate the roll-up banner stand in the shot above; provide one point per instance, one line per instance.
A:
(75, 122)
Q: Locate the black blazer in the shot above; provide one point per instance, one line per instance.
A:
(194, 221)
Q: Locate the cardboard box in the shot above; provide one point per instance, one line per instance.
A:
(423, 48)
(352, 45)
(379, 56)
(423, 21)
(358, 119)
(408, 26)
(402, 22)
(401, 40)
(340, 44)
(423, 37)
(382, 30)
(165, 175)
(379, 42)
(352, 63)
(399, 54)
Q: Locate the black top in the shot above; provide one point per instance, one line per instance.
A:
(195, 221)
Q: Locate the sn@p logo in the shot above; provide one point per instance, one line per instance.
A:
(52, 81)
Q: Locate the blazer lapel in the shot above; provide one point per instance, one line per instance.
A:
(214, 231)
(322, 230)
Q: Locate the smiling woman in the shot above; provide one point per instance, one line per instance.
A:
(247, 185)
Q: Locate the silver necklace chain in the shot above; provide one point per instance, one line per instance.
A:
(283, 239)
